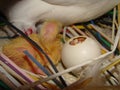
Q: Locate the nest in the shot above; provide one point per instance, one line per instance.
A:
(109, 70)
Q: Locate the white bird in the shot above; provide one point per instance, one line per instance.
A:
(26, 13)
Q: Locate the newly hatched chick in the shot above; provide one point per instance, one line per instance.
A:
(50, 40)
(47, 38)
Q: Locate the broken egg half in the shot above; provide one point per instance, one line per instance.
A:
(78, 50)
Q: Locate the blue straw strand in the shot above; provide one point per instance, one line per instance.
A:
(42, 68)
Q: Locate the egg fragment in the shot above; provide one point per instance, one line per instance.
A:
(78, 50)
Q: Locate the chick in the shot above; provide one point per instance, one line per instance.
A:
(48, 39)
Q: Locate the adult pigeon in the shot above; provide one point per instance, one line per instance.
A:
(26, 13)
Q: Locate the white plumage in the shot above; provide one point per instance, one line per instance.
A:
(25, 13)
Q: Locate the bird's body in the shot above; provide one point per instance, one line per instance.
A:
(26, 13)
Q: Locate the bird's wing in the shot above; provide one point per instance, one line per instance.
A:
(71, 2)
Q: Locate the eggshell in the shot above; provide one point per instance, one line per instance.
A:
(78, 50)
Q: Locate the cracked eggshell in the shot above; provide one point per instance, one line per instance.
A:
(78, 50)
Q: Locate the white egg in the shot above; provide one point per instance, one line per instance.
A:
(79, 49)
